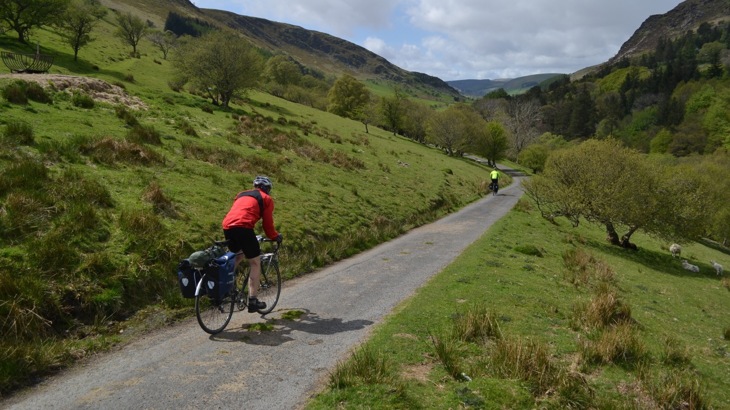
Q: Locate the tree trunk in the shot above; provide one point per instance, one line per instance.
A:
(611, 235)
(626, 239)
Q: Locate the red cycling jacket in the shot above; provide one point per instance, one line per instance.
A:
(245, 212)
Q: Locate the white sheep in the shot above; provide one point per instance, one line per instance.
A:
(690, 267)
(675, 249)
(717, 266)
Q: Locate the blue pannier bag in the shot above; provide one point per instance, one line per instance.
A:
(219, 276)
(188, 278)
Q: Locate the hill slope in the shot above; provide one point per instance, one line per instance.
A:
(688, 15)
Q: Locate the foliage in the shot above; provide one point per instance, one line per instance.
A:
(605, 183)
(348, 97)
(220, 65)
(130, 30)
(23, 16)
(78, 21)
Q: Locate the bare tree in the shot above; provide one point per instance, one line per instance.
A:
(522, 122)
(164, 41)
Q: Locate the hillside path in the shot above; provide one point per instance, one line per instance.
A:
(181, 367)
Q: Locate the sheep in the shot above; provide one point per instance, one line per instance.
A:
(690, 267)
(675, 249)
(717, 266)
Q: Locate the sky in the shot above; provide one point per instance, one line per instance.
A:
(468, 39)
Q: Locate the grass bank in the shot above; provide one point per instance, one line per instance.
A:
(535, 315)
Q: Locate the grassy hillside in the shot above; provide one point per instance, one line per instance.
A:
(104, 189)
(542, 315)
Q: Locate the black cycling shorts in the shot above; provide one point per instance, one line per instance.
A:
(243, 239)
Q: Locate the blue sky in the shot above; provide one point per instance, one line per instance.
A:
(468, 39)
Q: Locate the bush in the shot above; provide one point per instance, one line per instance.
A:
(82, 100)
(18, 133)
(36, 93)
(15, 93)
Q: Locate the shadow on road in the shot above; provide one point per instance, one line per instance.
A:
(277, 331)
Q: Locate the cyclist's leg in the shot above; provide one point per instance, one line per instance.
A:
(254, 277)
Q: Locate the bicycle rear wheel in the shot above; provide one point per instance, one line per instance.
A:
(213, 315)
(269, 284)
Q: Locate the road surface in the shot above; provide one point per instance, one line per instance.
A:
(181, 367)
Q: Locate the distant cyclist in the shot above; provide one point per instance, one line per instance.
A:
(247, 209)
(494, 175)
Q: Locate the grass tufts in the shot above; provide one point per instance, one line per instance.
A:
(144, 134)
(448, 350)
(18, 133)
(477, 325)
(161, 204)
(617, 344)
(364, 367)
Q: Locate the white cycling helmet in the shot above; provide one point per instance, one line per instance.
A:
(263, 183)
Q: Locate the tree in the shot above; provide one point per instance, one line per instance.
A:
(78, 21)
(455, 128)
(491, 141)
(621, 189)
(392, 109)
(24, 15)
(523, 119)
(283, 71)
(221, 64)
(348, 97)
(164, 41)
(130, 30)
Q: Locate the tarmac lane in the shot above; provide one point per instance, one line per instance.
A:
(182, 367)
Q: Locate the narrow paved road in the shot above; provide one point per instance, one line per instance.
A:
(181, 367)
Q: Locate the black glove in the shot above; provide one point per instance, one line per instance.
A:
(279, 239)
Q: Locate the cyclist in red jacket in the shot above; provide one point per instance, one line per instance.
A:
(248, 208)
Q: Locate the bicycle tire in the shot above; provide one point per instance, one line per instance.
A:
(269, 283)
(214, 315)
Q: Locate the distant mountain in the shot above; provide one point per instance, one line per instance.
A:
(688, 15)
(479, 88)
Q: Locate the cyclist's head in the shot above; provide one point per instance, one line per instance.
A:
(263, 183)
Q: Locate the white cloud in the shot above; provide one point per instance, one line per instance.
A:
(456, 39)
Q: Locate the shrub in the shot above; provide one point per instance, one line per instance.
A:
(18, 133)
(82, 100)
(15, 93)
(36, 93)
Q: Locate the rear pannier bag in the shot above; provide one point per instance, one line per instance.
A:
(219, 276)
(188, 278)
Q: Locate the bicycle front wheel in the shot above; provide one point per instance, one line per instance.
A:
(269, 283)
(213, 315)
